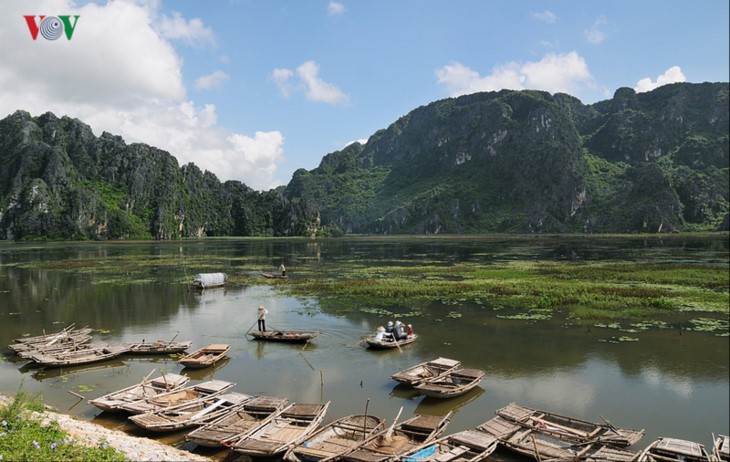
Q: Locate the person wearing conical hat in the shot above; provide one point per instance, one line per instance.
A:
(262, 318)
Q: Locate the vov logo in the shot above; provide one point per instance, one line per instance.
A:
(51, 27)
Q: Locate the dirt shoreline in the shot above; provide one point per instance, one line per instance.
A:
(135, 448)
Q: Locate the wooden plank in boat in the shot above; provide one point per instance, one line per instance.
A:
(473, 438)
(499, 427)
(424, 422)
(213, 385)
(674, 445)
(303, 410)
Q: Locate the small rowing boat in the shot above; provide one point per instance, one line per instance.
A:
(239, 423)
(673, 449)
(284, 336)
(209, 280)
(382, 344)
(465, 446)
(178, 396)
(206, 356)
(273, 275)
(390, 444)
(721, 448)
(113, 402)
(425, 370)
(195, 412)
(335, 438)
(160, 347)
(570, 428)
(292, 426)
(94, 353)
(451, 384)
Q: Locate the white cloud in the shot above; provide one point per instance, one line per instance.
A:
(554, 73)
(214, 80)
(192, 32)
(335, 8)
(672, 75)
(545, 16)
(132, 87)
(594, 34)
(309, 82)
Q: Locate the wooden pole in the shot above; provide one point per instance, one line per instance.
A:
(365, 422)
(534, 445)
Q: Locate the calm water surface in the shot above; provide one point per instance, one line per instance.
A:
(671, 382)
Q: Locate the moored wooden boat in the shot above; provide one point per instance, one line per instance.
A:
(178, 397)
(335, 438)
(541, 446)
(68, 336)
(192, 413)
(27, 350)
(721, 448)
(465, 446)
(284, 336)
(113, 402)
(206, 356)
(94, 353)
(289, 428)
(382, 344)
(159, 347)
(392, 443)
(425, 370)
(570, 428)
(451, 384)
(673, 449)
(239, 423)
(268, 275)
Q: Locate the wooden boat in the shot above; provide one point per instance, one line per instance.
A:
(451, 384)
(390, 444)
(209, 280)
(239, 423)
(27, 350)
(673, 449)
(465, 446)
(541, 446)
(186, 415)
(335, 438)
(284, 336)
(160, 347)
(376, 344)
(206, 356)
(66, 337)
(570, 428)
(273, 275)
(425, 370)
(721, 448)
(94, 353)
(112, 402)
(286, 430)
(177, 397)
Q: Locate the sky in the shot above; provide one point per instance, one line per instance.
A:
(253, 90)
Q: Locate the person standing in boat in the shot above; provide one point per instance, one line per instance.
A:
(262, 318)
(282, 269)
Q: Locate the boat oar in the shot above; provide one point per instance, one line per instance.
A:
(173, 339)
(610, 425)
(249, 329)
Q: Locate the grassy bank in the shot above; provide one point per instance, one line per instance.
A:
(24, 437)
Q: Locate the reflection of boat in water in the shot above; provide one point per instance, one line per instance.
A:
(404, 391)
(436, 406)
(205, 373)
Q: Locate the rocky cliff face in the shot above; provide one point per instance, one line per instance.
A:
(59, 181)
(533, 162)
(508, 161)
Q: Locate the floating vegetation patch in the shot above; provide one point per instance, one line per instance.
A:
(718, 326)
(454, 314)
(531, 315)
(613, 325)
(83, 388)
(618, 339)
(378, 311)
(104, 331)
(646, 325)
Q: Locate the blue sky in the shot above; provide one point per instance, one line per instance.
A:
(253, 90)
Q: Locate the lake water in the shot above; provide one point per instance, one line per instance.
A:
(671, 382)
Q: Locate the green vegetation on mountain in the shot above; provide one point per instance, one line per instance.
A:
(508, 161)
